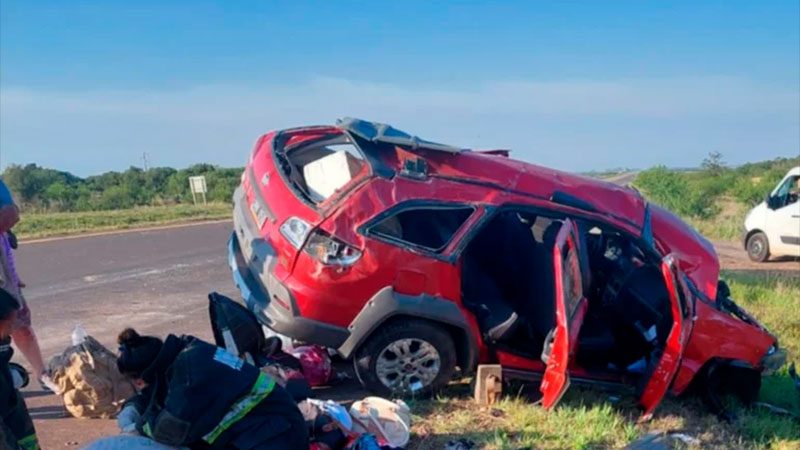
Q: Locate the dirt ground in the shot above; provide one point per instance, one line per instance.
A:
(733, 257)
(120, 282)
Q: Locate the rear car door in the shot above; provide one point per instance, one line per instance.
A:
(571, 305)
(682, 313)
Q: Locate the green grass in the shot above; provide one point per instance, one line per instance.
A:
(589, 419)
(727, 225)
(37, 225)
(582, 421)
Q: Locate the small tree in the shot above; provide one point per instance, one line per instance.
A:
(714, 164)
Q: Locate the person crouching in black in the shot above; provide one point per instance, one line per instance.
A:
(195, 394)
(16, 426)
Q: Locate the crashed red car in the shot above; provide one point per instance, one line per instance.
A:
(415, 258)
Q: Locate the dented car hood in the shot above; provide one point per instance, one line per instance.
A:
(695, 255)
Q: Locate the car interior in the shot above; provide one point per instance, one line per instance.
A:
(508, 283)
(429, 227)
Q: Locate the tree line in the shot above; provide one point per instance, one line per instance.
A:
(696, 193)
(37, 188)
(688, 193)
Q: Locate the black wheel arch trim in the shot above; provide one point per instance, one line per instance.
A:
(387, 304)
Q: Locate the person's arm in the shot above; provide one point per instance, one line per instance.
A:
(133, 409)
(9, 213)
(9, 216)
(169, 417)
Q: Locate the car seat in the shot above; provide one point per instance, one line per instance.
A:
(499, 320)
(496, 318)
(542, 282)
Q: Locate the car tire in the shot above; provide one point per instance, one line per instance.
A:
(758, 247)
(722, 380)
(380, 367)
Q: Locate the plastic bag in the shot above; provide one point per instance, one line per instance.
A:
(389, 421)
(365, 442)
(88, 380)
(79, 335)
(316, 364)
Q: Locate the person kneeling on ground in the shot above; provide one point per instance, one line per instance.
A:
(16, 427)
(195, 394)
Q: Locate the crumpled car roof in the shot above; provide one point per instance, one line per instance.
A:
(381, 132)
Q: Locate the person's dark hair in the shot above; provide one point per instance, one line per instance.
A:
(8, 304)
(136, 352)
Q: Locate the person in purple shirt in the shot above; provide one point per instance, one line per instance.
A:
(23, 335)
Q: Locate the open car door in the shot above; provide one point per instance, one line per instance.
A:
(666, 367)
(570, 309)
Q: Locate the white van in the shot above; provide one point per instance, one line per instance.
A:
(773, 227)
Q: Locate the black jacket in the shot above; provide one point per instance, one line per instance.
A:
(16, 427)
(201, 396)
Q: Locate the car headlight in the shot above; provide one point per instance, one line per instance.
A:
(295, 230)
(331, 251)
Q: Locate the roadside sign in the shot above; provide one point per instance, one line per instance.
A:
(198, 187)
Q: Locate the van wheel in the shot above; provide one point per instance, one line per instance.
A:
(758, 247)
(414, 358)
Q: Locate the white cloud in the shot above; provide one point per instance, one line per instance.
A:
(568, 124)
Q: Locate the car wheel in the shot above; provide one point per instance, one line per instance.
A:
(414, 358)
(758, 247)
(723, 380)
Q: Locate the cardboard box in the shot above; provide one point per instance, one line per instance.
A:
(329, 173)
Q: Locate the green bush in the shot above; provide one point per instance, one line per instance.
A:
(676, 192)
(748, 191)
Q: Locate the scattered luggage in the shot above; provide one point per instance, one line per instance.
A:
(365, 442)
(316, 364)
(373, 423)
(328, 428)
(88, 380)
(389, 421)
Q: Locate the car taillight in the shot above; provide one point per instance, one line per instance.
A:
(331, 251)
(295, 231)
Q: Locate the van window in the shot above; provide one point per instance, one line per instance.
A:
(430, 227)
(784, 194)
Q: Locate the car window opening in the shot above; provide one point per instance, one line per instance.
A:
(508, 282)
(431, 227)
(319, 169)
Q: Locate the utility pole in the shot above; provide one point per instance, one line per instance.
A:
(144, 160)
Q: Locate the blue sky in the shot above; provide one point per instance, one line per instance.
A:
(90, 86)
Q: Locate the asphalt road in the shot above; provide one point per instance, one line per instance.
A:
(155, 281)
(622, 179)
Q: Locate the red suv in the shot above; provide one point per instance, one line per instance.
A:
(415, 258)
